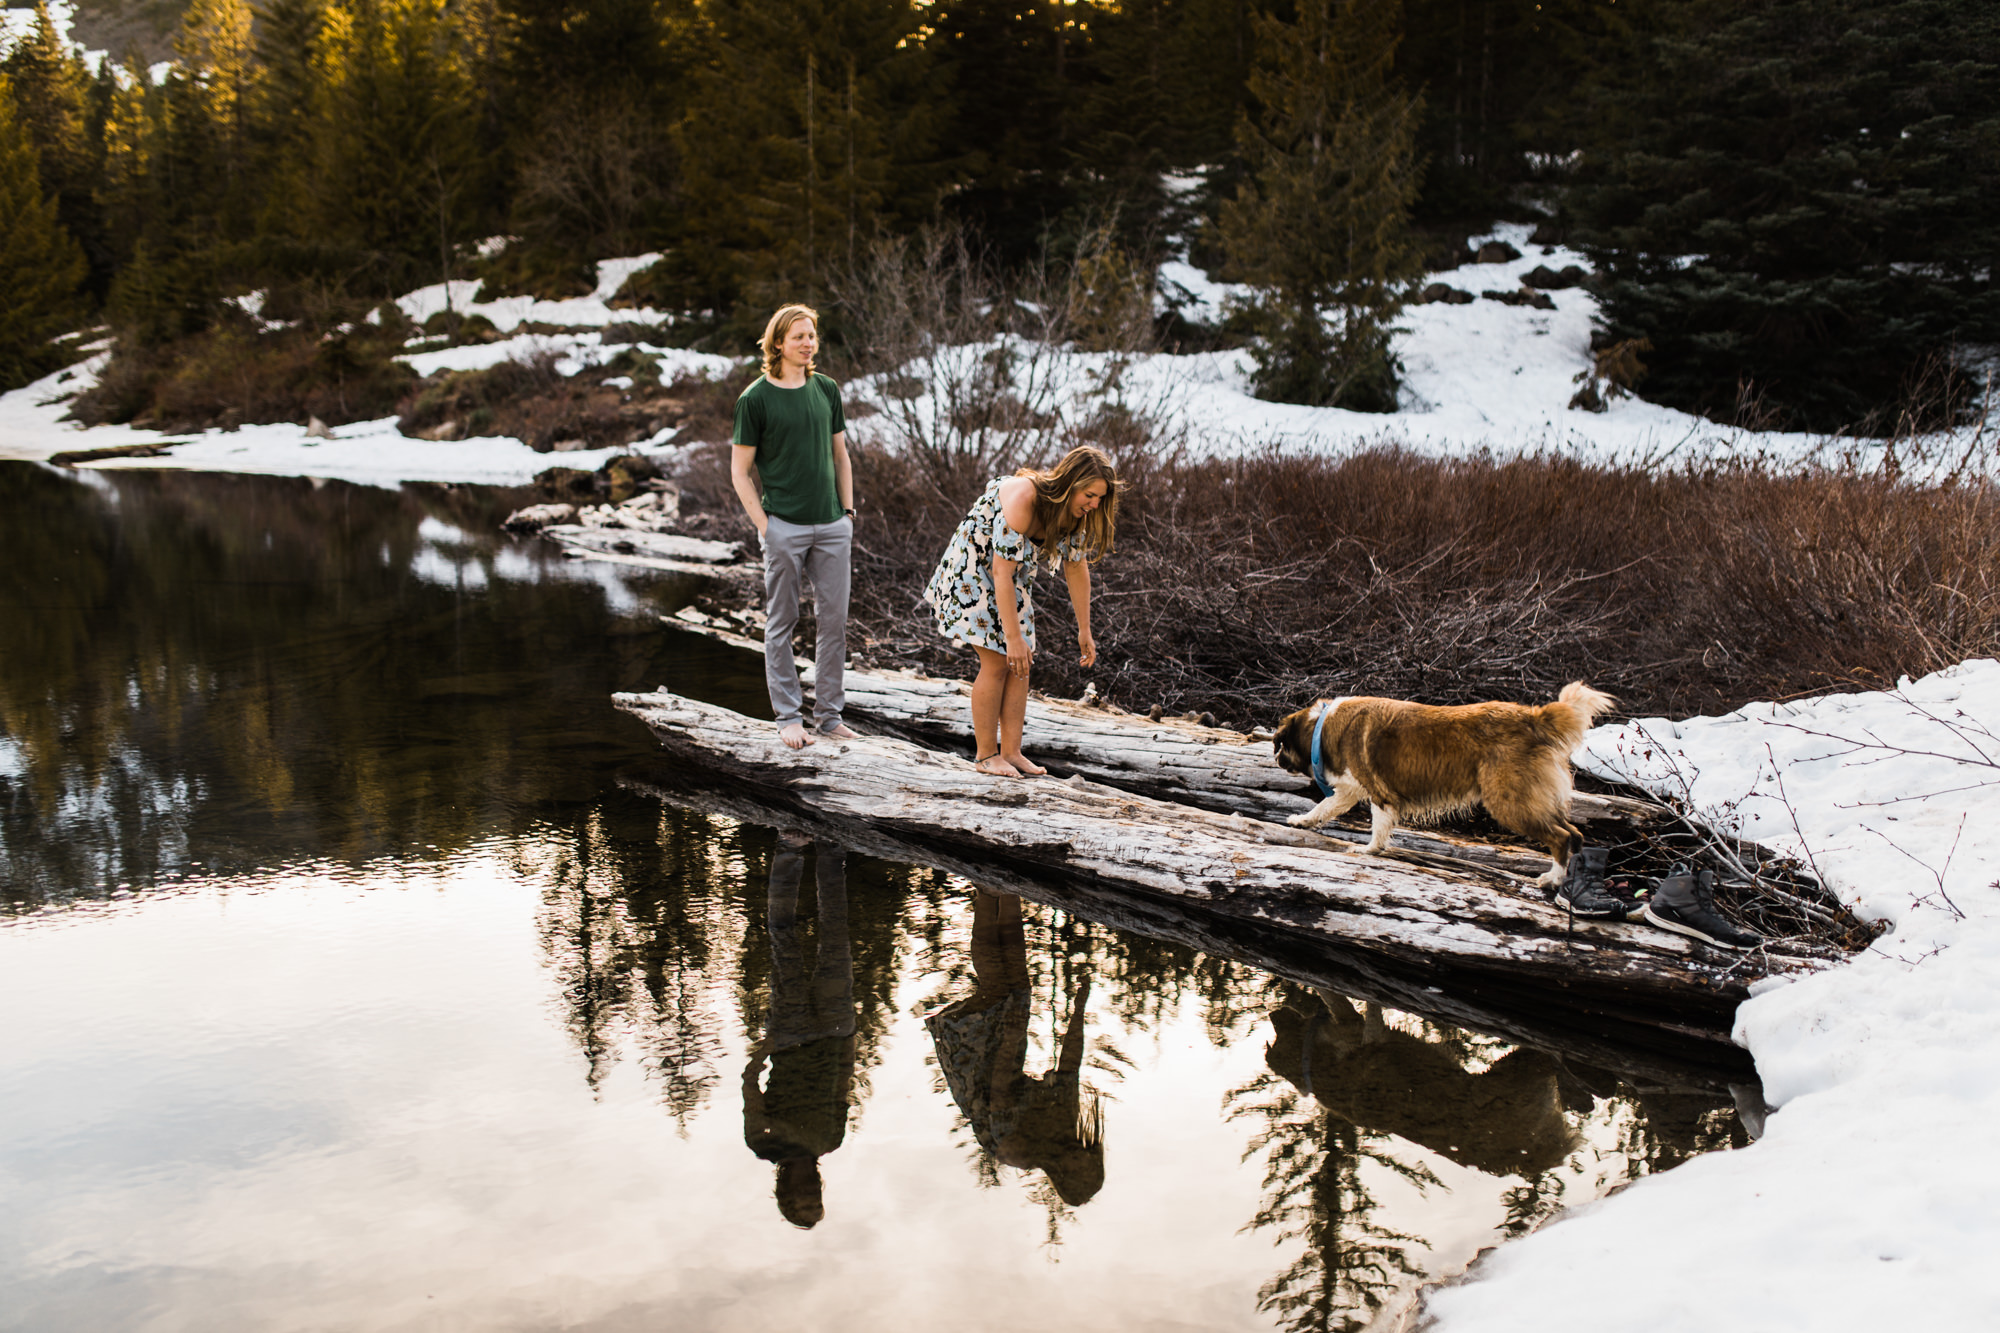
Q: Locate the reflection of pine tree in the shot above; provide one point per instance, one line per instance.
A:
(1315, 1195)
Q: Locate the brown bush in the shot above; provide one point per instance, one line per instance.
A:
(532, 401)
(230, 376)
(1247, 587)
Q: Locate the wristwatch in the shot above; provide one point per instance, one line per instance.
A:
(848, 512)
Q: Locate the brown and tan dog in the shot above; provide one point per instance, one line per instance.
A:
(1421, 760)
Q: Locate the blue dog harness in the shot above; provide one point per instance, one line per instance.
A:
(1318, 765)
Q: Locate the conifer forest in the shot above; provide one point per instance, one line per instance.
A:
(1794, 203)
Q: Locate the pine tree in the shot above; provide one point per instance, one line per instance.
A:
(1014, 69)
(1321, 226)
(52, 88)
(41, 265)
(809, 128)
(1805, 215)
(384, 171)
(591, 89)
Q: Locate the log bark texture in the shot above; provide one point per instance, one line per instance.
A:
(1170, 759)
(665, 551)
(1443, 931)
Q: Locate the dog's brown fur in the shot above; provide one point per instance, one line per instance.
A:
(1414, 760)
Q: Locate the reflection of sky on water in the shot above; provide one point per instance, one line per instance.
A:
(345, 1097)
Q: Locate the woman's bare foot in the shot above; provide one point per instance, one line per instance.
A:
(795, 736)
(1024, 765)
(993, 766)
(840, 731)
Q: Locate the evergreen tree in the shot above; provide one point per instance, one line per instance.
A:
(1806, 212)
(384, 171)
(178, 181)
(52, 88)
(810, 127)
(41, 265)
(1164, 98)
(1014, 68)
(592, 89)
(1321, 226)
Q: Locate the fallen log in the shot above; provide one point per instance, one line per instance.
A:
(665, 551)
(1169, 759)
(638, 541)
(1498, 955)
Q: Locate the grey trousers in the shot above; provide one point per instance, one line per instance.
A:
(822, 553)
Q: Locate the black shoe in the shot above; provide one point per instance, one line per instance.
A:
(1582, 892)
(1685, 903)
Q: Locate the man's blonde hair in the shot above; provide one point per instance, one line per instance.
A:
(774, 335)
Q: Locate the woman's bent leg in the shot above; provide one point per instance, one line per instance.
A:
(989, 690)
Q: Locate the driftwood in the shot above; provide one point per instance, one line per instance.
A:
(1169, 759)
(1483, 951)
(665, 551)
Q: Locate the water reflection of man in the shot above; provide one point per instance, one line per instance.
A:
(1033, 1122)
(1507, 1120)
(799, 1114)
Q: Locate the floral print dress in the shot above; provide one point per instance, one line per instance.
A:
(961, 591)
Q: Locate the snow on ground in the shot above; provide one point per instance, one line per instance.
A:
(1479, 377)
(1868, 1202)
(510, 312)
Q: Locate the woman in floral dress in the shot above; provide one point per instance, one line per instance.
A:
(983, 596)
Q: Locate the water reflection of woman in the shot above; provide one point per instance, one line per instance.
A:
(1033, 1122)
(799, 1114)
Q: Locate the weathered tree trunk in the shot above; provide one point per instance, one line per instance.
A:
(657, 550)
(1463, 929)
(1170, 759)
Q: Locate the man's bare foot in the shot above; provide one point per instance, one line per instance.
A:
(1024, 765)
(795, 736)
(993, 766)
(840, 731)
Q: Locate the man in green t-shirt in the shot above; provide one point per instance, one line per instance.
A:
(791, 437)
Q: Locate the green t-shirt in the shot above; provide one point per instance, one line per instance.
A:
(792, 431)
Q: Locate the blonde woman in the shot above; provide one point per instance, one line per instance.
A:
(983, 596)
(791, 471)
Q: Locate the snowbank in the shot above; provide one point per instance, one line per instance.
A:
(510, 312)
(1480, 377)
(1868, 1202)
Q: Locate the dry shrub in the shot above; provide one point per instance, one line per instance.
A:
(534, 402)
(1247, 587)
(230, 376)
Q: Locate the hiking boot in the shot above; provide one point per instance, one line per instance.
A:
(1582, 890)
(1684, 902)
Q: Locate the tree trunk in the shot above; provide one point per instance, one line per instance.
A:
(1458, 939)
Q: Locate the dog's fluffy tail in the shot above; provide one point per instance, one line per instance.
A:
(1573, 713)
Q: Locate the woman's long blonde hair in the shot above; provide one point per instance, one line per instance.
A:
(773, 342)
(1054, 490)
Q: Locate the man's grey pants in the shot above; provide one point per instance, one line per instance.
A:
(823, 553)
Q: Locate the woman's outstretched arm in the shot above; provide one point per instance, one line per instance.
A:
(1076, 573)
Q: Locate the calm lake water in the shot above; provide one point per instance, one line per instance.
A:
(347, 986)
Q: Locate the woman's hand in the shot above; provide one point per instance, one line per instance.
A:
(1020, 658)
(1088, 645)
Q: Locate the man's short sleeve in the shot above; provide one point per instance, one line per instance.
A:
(833, 401)
(749, 429)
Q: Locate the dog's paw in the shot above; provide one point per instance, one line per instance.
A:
(1302, 821)
(1550, 878)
